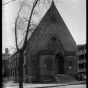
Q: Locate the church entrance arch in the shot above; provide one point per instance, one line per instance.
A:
(59, 63)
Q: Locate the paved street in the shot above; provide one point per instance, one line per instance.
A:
(70, 86)
(26, 85)
(39, 86)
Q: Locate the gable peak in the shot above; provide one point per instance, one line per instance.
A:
(52, 2)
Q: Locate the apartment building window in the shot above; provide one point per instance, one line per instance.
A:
(81, 66)
(81, 57)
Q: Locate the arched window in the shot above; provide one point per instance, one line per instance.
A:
(53, 19)
(34, 62)
(54, 43)
(48, 62)
(70, 64)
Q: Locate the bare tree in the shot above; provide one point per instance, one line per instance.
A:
(29, 28)
(22, 49)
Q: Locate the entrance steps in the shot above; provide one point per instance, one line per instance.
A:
(64, 78)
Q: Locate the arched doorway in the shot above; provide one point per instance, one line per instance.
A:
(59, 63)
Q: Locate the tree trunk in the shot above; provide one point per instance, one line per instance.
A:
(21, 70)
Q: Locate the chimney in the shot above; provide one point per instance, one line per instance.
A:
(6, 51)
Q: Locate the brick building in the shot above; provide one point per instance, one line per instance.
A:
(5, 63)
(81, 54)
(51, 50)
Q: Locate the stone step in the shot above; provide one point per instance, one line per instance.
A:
(64, 78)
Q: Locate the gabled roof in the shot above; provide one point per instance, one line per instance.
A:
(29, 36)
(52, 11)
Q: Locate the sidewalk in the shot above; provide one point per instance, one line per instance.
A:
(55, 84)
(76, 82)
(64, 84)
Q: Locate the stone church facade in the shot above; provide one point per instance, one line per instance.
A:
(51, 49)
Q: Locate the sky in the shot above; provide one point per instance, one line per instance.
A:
(73, 13)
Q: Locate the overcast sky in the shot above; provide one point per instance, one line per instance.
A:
(73, 13)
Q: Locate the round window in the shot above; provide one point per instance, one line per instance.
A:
(53, 19)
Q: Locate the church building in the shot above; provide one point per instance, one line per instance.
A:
(51, 50)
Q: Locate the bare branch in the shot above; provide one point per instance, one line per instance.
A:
(36, 13)
(12, 48)
(31, 30)
(25, 18)
(16, 33)
(7, 2)
(16, 27)
(33, 26)
(34, 4)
